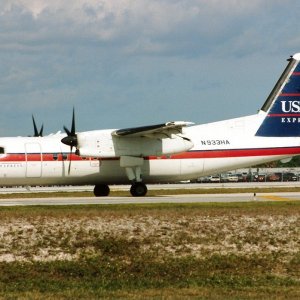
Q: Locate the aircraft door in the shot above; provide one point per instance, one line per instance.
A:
(33, 160)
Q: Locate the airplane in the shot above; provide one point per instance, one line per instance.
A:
(167, 152)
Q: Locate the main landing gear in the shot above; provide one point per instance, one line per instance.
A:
(133, 169)
(101, 190)
(138, 189)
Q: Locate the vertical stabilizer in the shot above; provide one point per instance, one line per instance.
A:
(283, 104)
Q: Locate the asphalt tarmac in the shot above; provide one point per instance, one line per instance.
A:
(245, 197)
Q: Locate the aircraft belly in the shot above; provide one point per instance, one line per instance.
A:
(162, 167)
(190, 167)
(110, 171)
(218, 165)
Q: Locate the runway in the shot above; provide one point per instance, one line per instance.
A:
(245, 197)
(174, 186)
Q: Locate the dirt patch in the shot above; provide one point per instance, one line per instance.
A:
(158, 233)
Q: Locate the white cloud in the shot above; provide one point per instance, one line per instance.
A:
(116, 53)
(138, 24)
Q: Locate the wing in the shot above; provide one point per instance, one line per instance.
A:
(153, 130)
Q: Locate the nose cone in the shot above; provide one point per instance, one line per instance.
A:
(70, 141)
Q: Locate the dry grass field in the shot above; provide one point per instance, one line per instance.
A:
(233, 251)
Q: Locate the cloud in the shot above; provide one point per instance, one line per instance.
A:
(155, 60)
(137, 27)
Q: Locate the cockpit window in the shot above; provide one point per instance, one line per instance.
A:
(2, 150)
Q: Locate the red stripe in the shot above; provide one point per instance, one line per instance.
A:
(284, 115)
(37, 157)
(296, 73)
(187, 155)
(290, 94)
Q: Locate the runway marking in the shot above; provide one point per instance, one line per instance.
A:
(276, 198)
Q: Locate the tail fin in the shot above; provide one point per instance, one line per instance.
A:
(283, 104)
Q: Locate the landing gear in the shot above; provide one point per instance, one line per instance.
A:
(133, 168)
(101, 190)
(138, 189)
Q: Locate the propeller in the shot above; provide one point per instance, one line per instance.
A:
(36, 132)
(71, 138)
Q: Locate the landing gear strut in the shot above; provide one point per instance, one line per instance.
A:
(138, 189)
(101, 190)
(133, 168)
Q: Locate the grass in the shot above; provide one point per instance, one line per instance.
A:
(103, 276)
(158, 251)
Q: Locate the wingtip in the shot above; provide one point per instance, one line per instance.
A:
(180, 123)
(296, 56)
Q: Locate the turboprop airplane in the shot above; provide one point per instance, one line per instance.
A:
(165, 152)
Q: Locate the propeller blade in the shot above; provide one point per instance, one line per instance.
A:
(73, 123)
(36, 132)
(67, 131)
(34, 127)
(41, 130)
(70, 161)
(71, 139)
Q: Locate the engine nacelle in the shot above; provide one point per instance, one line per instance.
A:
(100, 143)
(97, 143)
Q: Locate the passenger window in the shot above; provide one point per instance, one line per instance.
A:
(2, 150)
(65, 156)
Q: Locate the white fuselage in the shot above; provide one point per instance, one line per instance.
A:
(218, 147)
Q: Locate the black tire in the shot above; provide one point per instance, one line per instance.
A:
(138, 189)
(101, 190)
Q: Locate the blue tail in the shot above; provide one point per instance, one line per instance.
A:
(283, 104)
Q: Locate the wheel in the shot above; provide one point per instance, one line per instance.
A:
(138, 189)
(101, 190)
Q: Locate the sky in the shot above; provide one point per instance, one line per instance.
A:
(126, 63)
